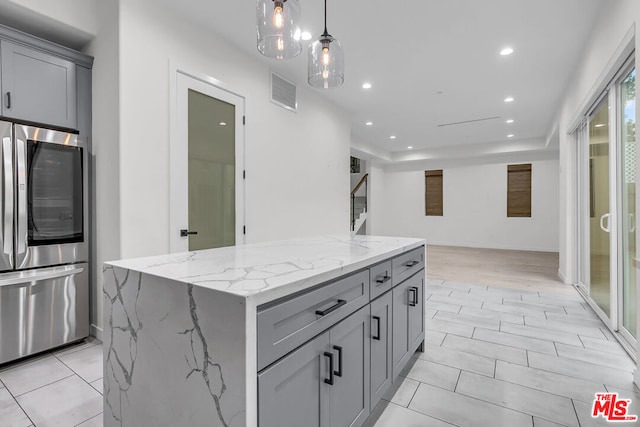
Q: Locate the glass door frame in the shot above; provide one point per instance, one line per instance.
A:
(182, 80)
(612, 92)
(617, 118)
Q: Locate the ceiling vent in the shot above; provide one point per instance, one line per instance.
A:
(283, 92)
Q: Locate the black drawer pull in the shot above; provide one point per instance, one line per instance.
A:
(330, 356)
(334, 307)
(338, 373)
(384, 279)
(414, 300)
(413, 296)
(412, 263)
(377, 335)
(8, 100)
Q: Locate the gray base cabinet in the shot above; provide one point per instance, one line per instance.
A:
(323, 383)
(292, 392)
(349, 342)
(37, 86)
(329, 355)
(408, 320)
(381, 362)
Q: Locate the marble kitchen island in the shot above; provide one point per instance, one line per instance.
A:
(186, 335)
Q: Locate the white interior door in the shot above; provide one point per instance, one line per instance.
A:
(206, 165)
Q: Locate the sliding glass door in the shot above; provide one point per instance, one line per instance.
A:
(627, 200)
(599, 208)
(606, 204)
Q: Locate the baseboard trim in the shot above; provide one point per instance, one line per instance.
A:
(96, 332)
(501, 247)
(563, 278)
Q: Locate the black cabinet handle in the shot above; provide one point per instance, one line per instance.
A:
(338, 373)
(334, 307)
(384, 279)
(8, 100)
(377, 335)
(330, 356)
(412, 296)
(185, 233)
(412, 263)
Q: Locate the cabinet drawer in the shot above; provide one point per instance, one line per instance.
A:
(406, 265)
(289, 324)
(380, 279)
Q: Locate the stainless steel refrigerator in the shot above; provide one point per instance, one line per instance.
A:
(44, 251)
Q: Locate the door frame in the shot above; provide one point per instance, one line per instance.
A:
(616, 114)
(178, 156)
(611, 92)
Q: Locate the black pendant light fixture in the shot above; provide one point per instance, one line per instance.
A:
(278, 27)
(326, 60)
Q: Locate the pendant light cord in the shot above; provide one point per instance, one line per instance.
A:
(325, 18)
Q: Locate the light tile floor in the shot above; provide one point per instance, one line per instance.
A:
(494, 357)
(508, 357)
(62, 388)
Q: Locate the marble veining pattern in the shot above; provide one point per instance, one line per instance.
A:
(166, 339)
(266, 271)
(200, 363)
(120, 365)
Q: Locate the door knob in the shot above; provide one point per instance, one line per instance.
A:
(186, 233)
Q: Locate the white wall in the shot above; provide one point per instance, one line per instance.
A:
(376, 201)
(72, 23)
(601, 58)
(287, 195)
(105, 149)
(475, 206)
(614, 22)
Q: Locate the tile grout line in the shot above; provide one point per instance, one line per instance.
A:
(20, 406)
(576, 412)
(423, 414)
(79, 376)
(506, 407)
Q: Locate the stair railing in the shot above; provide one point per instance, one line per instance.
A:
(364, 181)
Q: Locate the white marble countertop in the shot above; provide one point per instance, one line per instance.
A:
(263, 272)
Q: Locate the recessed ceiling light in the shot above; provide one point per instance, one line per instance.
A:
(600, 125)
(409, 148)
(510, 135)
(506, 51)
(366, 85)
(306, 35)
(392, 137)
(223, 124)
(369, 123)
(508, 99)
(510, 121)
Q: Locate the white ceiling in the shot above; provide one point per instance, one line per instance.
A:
(430, 62)
(433, 62)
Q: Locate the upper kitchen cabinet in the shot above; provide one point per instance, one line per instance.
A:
(37, 87)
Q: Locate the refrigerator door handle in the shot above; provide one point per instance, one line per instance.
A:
(29, 276)
(21, 220)
(7, 214)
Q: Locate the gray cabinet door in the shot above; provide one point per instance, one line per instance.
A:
(416, 312)
(292, 392)
(37, 87)
(401, 297)
(350, 393)
(381, 363)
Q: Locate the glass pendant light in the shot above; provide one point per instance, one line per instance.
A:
(278, 28)
(326, 60)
